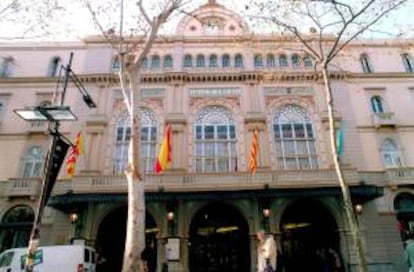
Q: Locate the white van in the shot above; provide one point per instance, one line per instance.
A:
(68, 258)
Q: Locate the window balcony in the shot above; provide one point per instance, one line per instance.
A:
(23, 187)
(402, 176)
(383, 119)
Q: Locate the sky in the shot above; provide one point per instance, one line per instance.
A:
(74, 22)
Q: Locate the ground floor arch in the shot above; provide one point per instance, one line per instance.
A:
(219, 240)
(110, 239)
(309, 237)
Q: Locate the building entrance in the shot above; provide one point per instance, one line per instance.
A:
(310, 239)
(219, 240)
(110, 240)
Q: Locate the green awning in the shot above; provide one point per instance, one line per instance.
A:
(67, 202)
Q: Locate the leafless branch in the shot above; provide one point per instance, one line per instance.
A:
(336, 49)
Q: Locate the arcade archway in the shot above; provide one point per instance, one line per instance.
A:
(110, 240)
(219, 240)
(310, 237)
(15, 227)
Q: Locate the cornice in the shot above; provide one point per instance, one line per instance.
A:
(246, 77)
(381, 75)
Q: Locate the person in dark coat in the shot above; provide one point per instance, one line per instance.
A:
(149, 257)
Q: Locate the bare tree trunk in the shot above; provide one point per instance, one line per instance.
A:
(353, 224)
(135, 232)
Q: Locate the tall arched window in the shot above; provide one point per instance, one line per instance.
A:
(168, 61)
(53, 66)
(307, 61)
(144, 63)
(225, 60)
(238, 60)
(148, 142)
(15, 227)
(155, 61)
(390, 154)
(365, 63)
(295, 60)
(213, 61)
(283, 61)
(215, 140)
(115, 64)
(200, 61)
(294, 139)
(188, 61)
(5, 66)
(408, 63)
(33, 162)
(258, 61)
(270, 60)
(376, 104)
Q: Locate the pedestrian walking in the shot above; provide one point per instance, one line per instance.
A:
(266, 252)
(409, 252)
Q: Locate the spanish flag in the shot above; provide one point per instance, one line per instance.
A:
(76, 150)
(253, 153)
(164, 156)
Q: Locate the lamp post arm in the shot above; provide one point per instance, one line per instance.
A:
(68, 69)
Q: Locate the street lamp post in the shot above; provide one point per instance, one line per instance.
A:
(57, 151)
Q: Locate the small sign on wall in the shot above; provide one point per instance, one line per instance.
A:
(172, 249)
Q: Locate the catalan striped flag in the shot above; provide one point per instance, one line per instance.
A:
(165, 155)
(253, 153)
(76, 150)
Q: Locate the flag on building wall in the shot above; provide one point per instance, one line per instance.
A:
(75, 151)
(339, 141)
(164, 156)
(253, 153)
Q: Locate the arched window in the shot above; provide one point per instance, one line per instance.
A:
(54, 66)
(307, 61)
(270, 60)
(33, 162)
(408, 63)
(144, 63)
(148, 142)
(225, 60)
(188, 61)
(238, 60)
(390, 154)
(376, 104)
(258, 61)
(295, 60)
(294, 139)
(168, 61)
(213, 61)
(215, 140)
(115, 64)
(15, 227)
(155, 61)
(365, 63)
(5, 66)
(283, 61)
(200, 61)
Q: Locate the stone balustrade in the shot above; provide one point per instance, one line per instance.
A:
(187, 182)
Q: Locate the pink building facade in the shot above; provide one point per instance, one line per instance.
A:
(215, 83)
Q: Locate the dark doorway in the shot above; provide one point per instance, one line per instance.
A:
(110, 240)
(219, 240)
(310, 239)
